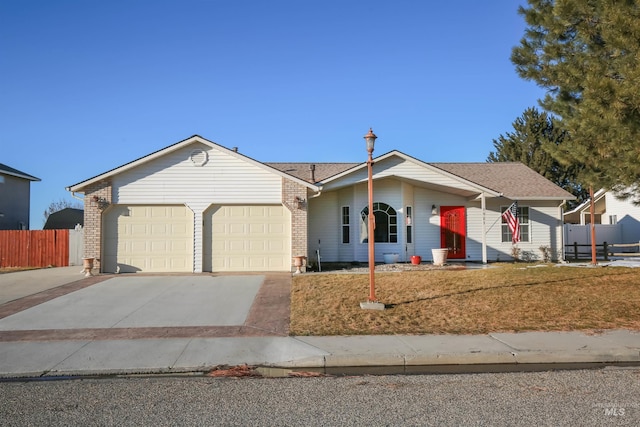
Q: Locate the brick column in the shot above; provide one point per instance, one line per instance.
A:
(294, 197)
(97, 198)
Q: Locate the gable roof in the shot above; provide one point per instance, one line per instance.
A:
(15, 172)
(512, 180)
(178, 145)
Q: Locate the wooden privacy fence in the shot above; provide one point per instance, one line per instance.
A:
(34, 248)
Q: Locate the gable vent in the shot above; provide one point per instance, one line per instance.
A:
(199, 157)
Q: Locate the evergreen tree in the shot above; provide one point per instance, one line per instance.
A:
(585, 53)
(535, 136)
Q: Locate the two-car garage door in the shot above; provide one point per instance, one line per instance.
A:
(161, 238)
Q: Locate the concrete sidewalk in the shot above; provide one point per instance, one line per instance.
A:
(401, 352)
(65, 324)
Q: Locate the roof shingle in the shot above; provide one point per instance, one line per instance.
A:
(303, 170)
(514, 180)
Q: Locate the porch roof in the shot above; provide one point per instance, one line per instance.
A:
(510, 179)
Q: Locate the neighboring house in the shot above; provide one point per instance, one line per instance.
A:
(65, 219)
(197, 206)
(618, 220)
(15, 198)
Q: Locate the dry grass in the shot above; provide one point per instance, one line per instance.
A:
(503, 299)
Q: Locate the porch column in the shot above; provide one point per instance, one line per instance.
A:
(483, 204)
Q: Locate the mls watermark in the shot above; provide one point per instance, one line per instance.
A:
(615, 409)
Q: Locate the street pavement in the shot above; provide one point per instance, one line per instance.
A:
(56, 322)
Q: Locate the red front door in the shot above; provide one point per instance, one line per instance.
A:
(453, 226)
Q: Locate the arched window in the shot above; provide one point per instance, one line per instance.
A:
(386, 220)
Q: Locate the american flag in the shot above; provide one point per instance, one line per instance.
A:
(511, 217)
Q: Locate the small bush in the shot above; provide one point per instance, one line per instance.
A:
(546, 253)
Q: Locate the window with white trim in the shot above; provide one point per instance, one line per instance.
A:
(523, 218)
(386, 221)
(346, 226)
(409, 224)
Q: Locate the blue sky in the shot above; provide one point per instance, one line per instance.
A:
(90, 85)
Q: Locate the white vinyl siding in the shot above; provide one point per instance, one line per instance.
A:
(324, 228)
(325, 212)
(544, 230)
(395, 166)
(174, 178)
(325, 222)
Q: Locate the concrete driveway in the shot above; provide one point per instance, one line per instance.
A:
(59, 304)
(20, 284)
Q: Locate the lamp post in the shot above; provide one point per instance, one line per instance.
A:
(372, 303)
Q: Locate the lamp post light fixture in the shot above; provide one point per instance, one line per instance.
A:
(372, 302)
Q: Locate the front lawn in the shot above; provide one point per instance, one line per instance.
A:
(505, 298)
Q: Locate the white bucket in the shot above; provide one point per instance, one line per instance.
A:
(390, 258)
(439, 256)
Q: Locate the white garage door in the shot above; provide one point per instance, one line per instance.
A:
(148, 239)
(247, 238)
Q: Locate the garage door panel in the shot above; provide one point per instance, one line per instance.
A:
(157, 229)
(257, 246)
(240, 229)
(276, 246)
(236, 246)
(148, 238)
(257, 228)
(247, 238)
(276, 228)
(256, 211)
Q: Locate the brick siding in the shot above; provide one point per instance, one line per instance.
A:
(97, 198)
(298, 208)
